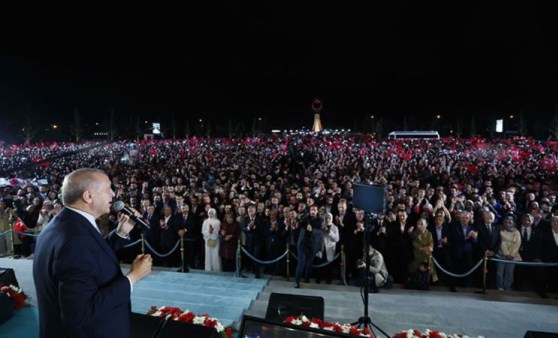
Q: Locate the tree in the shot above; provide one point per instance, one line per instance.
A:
(187, 128)
(523, 130)
(173, 126)
(473, 125)
(29, 130)
(554, 124)
(77, 128)
(112, 127)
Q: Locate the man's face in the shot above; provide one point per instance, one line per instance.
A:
(554, 224)
(101, 195)
(464, 217)
(313, 211)
(185, 208)
(488, 218)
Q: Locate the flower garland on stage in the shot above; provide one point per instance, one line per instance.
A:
(19, 298)
(187, 316)
(317, 323)
(427, 334)
(365, 332)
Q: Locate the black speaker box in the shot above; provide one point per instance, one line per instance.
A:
(6, 308)
(144, 326)
(7, 277)
(538, 334)
(174, 329)
(283, 305)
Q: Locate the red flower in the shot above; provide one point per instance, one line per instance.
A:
(354, 331)
(228, 332)
(18, 297)
(434, 334)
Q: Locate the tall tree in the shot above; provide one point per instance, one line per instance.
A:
(523, 129)
(173, 126)
(112, 127)
(77, 128)
(187, 128)
(554, 124)
(29, 129)
(473, 125)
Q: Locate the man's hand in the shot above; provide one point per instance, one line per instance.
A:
(141, 267)
(182, 232)
(125, 225)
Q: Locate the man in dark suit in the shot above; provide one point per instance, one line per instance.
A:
(189, 229)
(549, 254)
(81, 290)
(488, 243)
(440, 232)
(254, 228)
(528, 277)
(462, 237)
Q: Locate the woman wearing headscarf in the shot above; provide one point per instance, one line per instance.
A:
(210, 231)
(510, 242)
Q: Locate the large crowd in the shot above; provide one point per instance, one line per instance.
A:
(452, 201)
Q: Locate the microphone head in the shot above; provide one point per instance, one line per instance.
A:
(118, 205)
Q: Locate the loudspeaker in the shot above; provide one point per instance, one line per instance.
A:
(7, 277)
(174, 329)
(538, 334)
(6, 308)
(144, 326)
(283, 305)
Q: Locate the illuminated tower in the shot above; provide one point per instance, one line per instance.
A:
(317, 107)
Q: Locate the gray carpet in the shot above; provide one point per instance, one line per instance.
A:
(495, 314)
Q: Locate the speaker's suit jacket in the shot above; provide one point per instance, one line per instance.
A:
(81, 290)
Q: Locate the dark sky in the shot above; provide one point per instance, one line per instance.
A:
(272, 58)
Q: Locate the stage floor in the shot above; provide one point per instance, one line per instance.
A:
(492, 315)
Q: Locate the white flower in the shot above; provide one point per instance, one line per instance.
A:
(304, 319)
(219, 327)
(314, 325)
(297, 322)
(198, 320)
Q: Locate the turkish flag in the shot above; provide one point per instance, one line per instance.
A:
(19, 226)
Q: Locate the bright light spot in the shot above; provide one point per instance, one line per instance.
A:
(438, 116)
(511, 116)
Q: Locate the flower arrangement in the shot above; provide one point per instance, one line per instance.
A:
(187, 316)
(317, 323)
(19, 298)
(365, 332)
(427, 334)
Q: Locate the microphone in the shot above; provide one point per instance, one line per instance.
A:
(121, 207)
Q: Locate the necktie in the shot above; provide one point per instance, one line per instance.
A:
(489, 227)
(525, 239)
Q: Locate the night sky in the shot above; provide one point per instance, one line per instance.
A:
(246, 59)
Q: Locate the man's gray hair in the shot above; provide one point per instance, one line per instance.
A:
(76, 182)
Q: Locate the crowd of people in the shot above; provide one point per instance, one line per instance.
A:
(453, 201)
